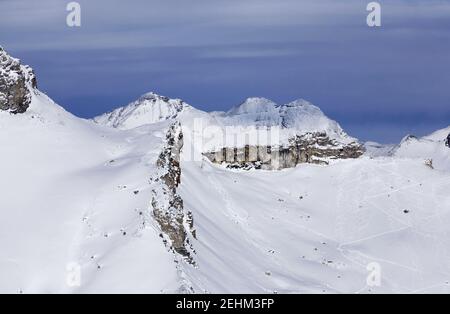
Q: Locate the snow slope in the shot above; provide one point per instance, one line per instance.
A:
(78, 192)
(315, 229)
(374, 149)
(429, 147)
(312, 229)
(68, 197)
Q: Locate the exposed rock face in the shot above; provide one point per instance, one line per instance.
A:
(175, 222)
(16, 84)
(447, 141)
(315, 148)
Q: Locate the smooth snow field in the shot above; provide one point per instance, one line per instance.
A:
(317, 229)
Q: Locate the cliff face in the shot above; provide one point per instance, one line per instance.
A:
(175, 222)
(316, 148)
(16, 84)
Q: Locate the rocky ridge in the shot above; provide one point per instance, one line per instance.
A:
(17, 83)
(314, 148)
(168, 209)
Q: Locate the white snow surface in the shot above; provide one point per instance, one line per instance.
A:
(68, 196)
(316, 229)
(431, 147)
(299, 115)
(148, 109)
(374, 149)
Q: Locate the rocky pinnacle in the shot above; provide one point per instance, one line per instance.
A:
(16, 84)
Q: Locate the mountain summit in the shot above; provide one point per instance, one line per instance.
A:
(148, 109)
(293, 133)
(294, 118)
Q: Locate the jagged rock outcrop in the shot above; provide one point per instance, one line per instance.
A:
(315, 148)
(16, 84)
(175, 222)
(447, 141)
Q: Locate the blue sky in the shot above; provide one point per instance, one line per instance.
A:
(380, 84)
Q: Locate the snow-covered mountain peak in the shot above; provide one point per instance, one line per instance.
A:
(302, 116)
(300, 112)
(409, 139)
(298, 115)
(304, 105)
(254, 105)
(254, 111)
(152, 96)
(295, 118)
(149, 108)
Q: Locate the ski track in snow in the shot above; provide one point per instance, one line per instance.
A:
(361, 189)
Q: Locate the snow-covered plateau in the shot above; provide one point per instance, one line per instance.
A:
(159, 197)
